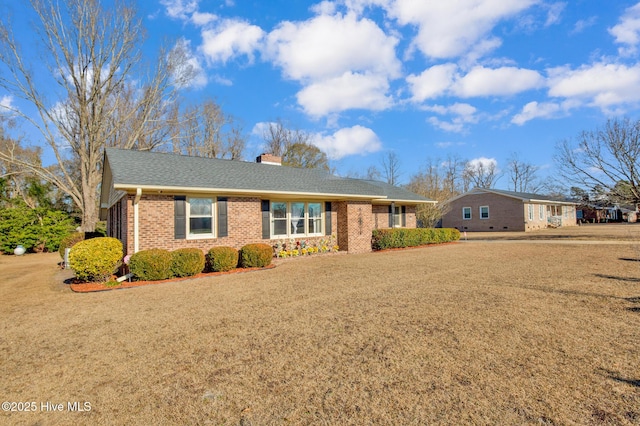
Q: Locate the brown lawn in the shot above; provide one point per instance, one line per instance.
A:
(496, 332)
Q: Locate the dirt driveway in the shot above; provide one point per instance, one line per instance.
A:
(475, 333)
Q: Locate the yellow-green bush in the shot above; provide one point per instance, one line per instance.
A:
(222, 259)
(69, 241)
(96, 259)
(187, 262)
(411, 237)
(151, 265)
(256, 255)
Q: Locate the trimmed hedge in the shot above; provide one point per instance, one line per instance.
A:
(411, 237)
(150, 265)
(256, 255)
(221, 259)
(70, 241)
(187, 262)
(96, 259)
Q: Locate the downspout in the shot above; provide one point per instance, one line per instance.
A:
(136, 224)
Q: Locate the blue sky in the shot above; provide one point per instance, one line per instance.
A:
(480, 79)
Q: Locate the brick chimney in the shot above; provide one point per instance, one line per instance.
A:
(269, 159)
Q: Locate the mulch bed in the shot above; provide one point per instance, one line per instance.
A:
(79, 287)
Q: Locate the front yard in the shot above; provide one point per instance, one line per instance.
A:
(474, 332)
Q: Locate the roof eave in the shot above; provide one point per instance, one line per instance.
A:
(245, 192)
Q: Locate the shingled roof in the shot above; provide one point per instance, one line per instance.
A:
(526, 197)
(128, 170)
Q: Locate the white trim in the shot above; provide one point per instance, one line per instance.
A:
(480, 212)
(288, 219)
(227, 191)
(470, 213)
(136, 220)
(214, 223)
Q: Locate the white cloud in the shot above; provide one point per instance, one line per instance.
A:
(6, 103)
(453, 28)
(627, 32)
(536, 110)
(483, 163)
(179, 9)
(460, 116)
(200, 19)
(441, 80)
(504, 81)
(554, 13)
(583, 24)
(356, 140)
(433, 82)
(229, 39)
(600, 85)
(328, 46)
(191, 66)
(345, 92)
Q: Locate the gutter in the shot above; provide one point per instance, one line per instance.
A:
(136, 220)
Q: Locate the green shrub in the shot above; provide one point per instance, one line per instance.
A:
(69, 241)
(151, 265)
(222, 259)
(187, 262)
(96, 259)
(256, 255)
(37, 229)
(411, 237)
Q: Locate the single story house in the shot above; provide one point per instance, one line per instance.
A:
(170, 201)
(496, 210)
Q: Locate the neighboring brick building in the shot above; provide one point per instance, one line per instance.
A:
(160, 200)
(497, 210)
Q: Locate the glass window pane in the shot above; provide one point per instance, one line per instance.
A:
(280, 227)
(297, 218)
(279, 210)
(315, 226)
(315, 210)
(200, 206)
(200, 225)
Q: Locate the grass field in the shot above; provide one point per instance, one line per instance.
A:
(477, 332)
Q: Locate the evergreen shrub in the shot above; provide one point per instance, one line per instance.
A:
(187, 262)
(96, 259)
(256, 255)
(221, 259)
(69, 241)
(150, 265)
(411, 237)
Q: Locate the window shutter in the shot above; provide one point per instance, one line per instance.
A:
(223, 230)
(404, 216)
(266, 220)
(179, 217)
(391, 208)
(327, 218)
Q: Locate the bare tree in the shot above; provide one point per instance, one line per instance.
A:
(294, 146)
(437, 180)
(609, 157)
(391, 167)
(92, 55)
(206, 131)
(522, 175)
(481, 172)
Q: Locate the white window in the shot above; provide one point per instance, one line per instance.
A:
(466, 213)
(297, 218)
(200, 214)
(315, 218)
(565, 211)
(541, 211)
(397, 216)
(530, 211)
(484, 212)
